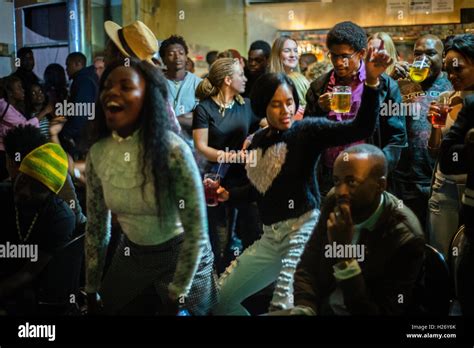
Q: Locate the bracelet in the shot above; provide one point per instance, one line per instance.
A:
(373, 86)
(346, 269)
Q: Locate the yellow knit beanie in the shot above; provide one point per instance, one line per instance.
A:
(48, 164)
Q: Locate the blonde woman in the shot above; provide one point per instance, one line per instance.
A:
(375, 41)
(285, 59)
(221, 122)
(398, 69)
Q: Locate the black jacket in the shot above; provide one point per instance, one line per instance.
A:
(452, 156)
(394, 254)
(390, 132)
(84, 89)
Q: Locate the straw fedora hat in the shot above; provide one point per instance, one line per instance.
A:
(133, 40)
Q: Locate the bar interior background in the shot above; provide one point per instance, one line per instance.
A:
(55, 28)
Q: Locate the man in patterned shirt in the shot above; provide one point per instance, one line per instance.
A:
(412, 177)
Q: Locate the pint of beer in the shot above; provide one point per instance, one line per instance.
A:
(419, 70)
(341, 99)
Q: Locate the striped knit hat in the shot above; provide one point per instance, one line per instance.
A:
(48, 164)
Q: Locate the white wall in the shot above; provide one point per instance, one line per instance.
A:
(7, 35)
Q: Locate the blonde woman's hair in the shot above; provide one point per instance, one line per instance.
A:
(389, 46)
(212, 84)
(301, 84)
(276, 65)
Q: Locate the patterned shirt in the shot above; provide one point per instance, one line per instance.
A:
(416, 165)
(114, 183)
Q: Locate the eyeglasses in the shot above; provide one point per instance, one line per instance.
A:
(333, 56)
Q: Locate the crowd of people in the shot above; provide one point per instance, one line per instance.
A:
(146, 189)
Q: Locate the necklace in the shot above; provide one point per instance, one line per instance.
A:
(223, 106)
(177, 83)
(30, 229)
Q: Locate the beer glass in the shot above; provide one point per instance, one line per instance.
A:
(419, 69)
(341, 99)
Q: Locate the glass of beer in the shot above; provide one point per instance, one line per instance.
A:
(211, 184)
(440, 121)
(341, 99)
(419, 69)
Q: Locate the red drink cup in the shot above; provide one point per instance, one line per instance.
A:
(440, 121)
(211, 184)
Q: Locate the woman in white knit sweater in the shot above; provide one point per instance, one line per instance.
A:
(147, 176)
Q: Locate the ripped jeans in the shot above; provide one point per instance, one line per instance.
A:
(273, 257)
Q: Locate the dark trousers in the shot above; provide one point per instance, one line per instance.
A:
(136, 282)
(465, 271)
(228, 221)
(415, 197)
(3, 166)
(465, 278)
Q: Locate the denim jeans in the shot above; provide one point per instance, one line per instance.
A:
(273, 257)
(444, 206)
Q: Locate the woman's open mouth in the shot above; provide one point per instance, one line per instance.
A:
(113, 107)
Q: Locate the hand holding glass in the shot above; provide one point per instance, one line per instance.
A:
(438, 119)
(211, 184)
(341, 99)
(419, 69)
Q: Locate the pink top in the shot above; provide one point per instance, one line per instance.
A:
(12, 119)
